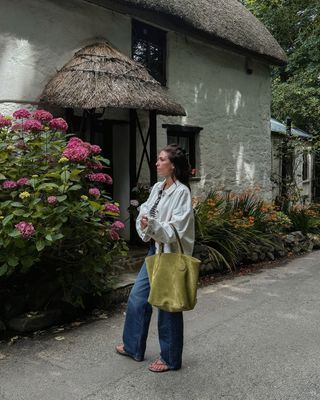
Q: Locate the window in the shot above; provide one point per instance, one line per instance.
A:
(186, 137)
(305, 166)
(149, 47)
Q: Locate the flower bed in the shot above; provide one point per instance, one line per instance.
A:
(240, 228)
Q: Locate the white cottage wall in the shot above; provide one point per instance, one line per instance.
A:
(37, 38)
(233, 108)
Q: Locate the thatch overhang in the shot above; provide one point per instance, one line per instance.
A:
(99, 76)
(225, 23)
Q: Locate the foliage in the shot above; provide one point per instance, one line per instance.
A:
(54, 210)
(305, 219)
(229, 225)
(296, 87)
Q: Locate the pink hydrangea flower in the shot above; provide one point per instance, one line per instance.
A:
(58, 124)
(117, 226)
(52, 199)
(5, 122)
(74, 140)
(21, 113)
(76, 153)
(95, 149)
(9, 184)
(134, 203)
(100, 177)
(94, 165)
(42, 115)
(25, 228)
(94, 192)
(32, 125)
(111, 208)
(22, 181)
(114, 235)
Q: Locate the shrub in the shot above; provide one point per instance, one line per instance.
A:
(54, 208)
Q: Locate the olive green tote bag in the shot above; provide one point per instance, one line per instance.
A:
(173, 279)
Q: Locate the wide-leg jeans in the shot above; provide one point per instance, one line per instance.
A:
(138, 316)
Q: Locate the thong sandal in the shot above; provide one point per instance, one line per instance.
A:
(120, 350)
(159, 366)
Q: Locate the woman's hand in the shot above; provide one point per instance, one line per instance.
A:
(144, 222)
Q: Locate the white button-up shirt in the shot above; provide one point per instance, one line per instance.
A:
(174, 207)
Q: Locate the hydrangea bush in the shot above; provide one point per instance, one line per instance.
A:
(55, 211)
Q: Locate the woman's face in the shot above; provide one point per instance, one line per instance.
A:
(164, 165)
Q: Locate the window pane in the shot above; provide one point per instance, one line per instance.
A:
(149, 48)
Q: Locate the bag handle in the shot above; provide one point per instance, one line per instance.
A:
(181, 251)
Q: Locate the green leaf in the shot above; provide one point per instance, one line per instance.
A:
(2, 176)
(58, 236)
(7, 219)
(65, 175)
(62, 198)
(13, 261)
(18, 212)
(75, 187)
(48, 186)
(40, 244)
(95, 205)
(16, 204)
(49, 237)
(3, 269)
(15, 233)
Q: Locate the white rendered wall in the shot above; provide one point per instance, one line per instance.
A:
(38, 37)
(232, 107)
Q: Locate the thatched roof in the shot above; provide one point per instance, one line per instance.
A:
(101, 76)
(226, 23)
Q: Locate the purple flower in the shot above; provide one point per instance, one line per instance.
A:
(58, 124)
(9, 184)
(42, 115)
(94, 192)
(52, 199)
(111, 208)
(76, 153)
(25, 228)
(114, 235)
(95, 149)
(100, 177)
(21, 113)
(22, 181)
(5, 122)
(117, 226)
(32, 125)
(94, 165)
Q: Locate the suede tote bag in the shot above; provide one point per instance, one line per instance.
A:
(173, 279)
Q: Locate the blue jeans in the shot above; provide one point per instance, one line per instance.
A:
(138, 316)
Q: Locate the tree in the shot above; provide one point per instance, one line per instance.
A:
(296, 87)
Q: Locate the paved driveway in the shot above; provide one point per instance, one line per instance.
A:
(254, 337)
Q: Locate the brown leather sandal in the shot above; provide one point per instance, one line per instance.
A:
(120, 350)
(159, 366)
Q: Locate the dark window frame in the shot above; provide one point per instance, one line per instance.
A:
(151, 36)
(186, 131)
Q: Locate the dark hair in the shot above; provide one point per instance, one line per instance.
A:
(182, 169)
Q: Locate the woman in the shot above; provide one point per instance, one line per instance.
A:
(169, 203)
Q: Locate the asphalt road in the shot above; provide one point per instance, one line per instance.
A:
(255, 337)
